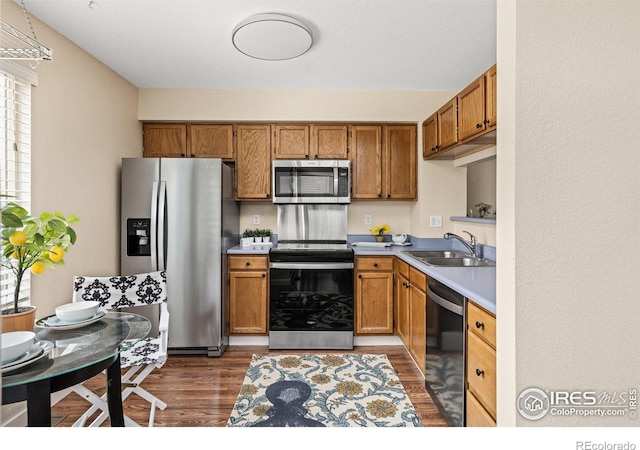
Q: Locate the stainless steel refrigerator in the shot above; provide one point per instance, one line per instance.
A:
(179, 215)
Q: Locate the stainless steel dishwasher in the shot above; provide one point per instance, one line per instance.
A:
(445, 368)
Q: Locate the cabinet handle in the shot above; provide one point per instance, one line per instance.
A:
(487, 121)
(478, 125)
(359, 276)
(247, 264)
(479, 325)
(388, 195)
(375, 264)
(193, 156)
(315, 157)
(434, 149)
(380, 195)
(182, 154)
(264, 275)
(480, 373)
(268, 195)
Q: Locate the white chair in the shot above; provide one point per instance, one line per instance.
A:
(144, 356)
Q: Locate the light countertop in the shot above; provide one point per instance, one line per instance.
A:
(478, 284)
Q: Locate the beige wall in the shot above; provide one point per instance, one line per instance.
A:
(441, 187)
(568, 183)
(84, 121)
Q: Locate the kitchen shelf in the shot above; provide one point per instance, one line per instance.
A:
(473, 219)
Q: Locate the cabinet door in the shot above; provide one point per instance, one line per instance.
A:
(248, 302)
(291, 141)
(164, 140)
(430, 136)
(491, 83)
(400, 155)
(418, 329)
(402, 309)
(211, 141)
(374, 303)
(471, 109)
(253, 162)
(366, 161)
(481, 372)
(329, 141)
(477, 416)
(448, 124)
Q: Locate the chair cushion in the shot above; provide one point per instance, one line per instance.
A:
(122, 291)
(144, 352)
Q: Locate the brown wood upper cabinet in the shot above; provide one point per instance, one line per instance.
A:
(253, 162)
(211, 141)
(463, 120)
(310, 141)
(329, 141)
(291, 141)
(166, 140)
(383, 161)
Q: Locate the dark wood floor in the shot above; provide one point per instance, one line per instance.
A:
(201, 391)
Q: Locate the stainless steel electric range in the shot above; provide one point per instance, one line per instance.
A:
(311, 303)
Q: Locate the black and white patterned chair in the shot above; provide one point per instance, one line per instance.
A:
(145, 355)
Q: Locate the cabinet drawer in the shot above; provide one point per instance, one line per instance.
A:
(248, 263)
(477, 416)
(482, 323)
(418, 279)
(481, 372)
(373, 263)
(402, 268)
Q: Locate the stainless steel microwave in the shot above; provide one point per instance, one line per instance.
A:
(317, 181)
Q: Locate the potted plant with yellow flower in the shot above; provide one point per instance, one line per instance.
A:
(31, 243)
(379, 231)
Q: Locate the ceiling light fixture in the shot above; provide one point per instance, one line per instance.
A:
(272, 37)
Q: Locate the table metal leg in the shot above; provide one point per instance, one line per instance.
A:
(114, 394)
(39, 404)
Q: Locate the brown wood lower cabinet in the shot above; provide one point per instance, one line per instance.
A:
(374, 295)
(481, 367)
(411, 314)
(248, 295)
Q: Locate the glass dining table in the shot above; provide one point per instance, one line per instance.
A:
(74, 355)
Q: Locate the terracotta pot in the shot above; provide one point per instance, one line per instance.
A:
(22, 321)
(379, 238)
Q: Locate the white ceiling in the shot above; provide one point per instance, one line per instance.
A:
(358, 44)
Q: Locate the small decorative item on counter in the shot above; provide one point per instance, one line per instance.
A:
(265, 235)
(247, 238)
(379, 231)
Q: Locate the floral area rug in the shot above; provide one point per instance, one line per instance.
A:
(329, 390)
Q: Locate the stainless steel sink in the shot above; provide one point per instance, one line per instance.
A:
(457, 262)
(420, 254)
(448, 258)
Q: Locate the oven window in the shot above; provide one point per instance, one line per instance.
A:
(319, 300)
(307, 182)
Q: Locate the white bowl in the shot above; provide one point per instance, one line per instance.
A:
(15, 344)
(77, 311)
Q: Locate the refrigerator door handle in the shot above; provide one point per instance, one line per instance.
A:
(154, 227)
(161, 213)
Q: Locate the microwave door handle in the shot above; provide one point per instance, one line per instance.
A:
(154, 227)
(335, 182)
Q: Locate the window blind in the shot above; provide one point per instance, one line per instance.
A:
(15, 163)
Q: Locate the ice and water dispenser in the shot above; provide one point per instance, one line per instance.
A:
(138, 237)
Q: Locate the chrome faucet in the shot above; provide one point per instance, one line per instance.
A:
(473, 248)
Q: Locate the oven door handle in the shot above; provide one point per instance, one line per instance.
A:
(310, 265)
(446, 304)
